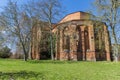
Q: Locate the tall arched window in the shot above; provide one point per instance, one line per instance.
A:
(66, 40)
(86, 33)
(99, 38)
(79, 40)
(66, 43)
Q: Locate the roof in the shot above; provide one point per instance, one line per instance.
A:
(76, 16)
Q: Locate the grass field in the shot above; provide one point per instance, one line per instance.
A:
(58, 70)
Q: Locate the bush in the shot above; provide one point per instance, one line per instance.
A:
(17, 56)
(5, 52)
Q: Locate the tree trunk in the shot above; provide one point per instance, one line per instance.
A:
(24, 50)
(51, 45)
(25, 57)
(115, 58)
(116, 47)
(30, 56)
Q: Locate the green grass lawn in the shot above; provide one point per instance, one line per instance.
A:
(58, 70)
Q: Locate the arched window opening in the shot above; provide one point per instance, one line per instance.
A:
(66, 43)
(86, 35)
(79, 44)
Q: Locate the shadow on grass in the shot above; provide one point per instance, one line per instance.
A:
(22, 75)
(52, 62)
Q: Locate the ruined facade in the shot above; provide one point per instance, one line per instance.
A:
(80, 38)
(39, 40)
(35, 41)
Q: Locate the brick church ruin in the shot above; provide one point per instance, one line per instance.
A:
(77, 38)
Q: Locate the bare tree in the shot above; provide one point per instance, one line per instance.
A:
(20, 19)
(50, 11)
(13, 19)
(32, 11)
(2, 35)
(109, 13)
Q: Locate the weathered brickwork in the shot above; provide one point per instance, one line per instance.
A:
(79, 38)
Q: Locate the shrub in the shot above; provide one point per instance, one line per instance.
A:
(5, 52)
(17, 56)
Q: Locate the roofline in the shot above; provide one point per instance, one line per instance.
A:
(78, 20)
(71, 21)
(72, 13)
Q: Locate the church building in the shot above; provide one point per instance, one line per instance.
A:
(79, 37)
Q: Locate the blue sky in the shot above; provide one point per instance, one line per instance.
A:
(77, 5)
(3, 2)
(70, 5)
